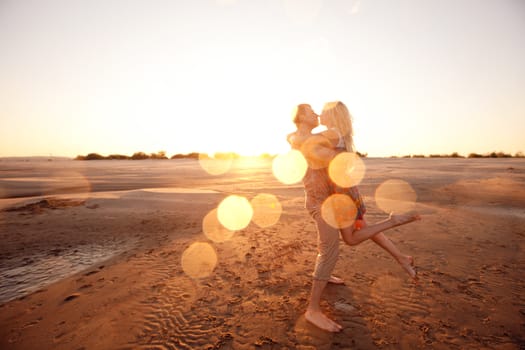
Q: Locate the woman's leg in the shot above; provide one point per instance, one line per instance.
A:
(354, 237)
(406, 261)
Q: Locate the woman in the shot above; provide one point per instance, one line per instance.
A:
(338, 121)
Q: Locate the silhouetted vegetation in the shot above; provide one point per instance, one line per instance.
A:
(93, 156)
(135, 156)
(159, 155)
(117, 156)
(453, 155)
(471, 155)
(193, 155)
(492, 155)
(233, 155)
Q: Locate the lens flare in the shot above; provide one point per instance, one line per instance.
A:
(395, 196)
(339, 211)
(217, 165)
(347, 169)
(266, 210)
(213, 229)
(199, 260)
(289, 168)
(70, 182)
(235, 212)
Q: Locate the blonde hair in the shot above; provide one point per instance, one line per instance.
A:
(342, 120)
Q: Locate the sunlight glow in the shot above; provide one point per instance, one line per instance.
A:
(216, 165)
(213, 229)
(339, 211)
(395, 196)
(346, 169)
(266, 209)
(235, 212)
(199, 260)
(289, 168)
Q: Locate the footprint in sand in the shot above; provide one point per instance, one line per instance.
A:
(71, 297)
(344, 307)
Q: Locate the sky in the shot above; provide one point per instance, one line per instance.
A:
(125, 76)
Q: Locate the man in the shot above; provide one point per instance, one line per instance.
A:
(318, 153)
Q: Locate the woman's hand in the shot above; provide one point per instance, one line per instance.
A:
(359, 224)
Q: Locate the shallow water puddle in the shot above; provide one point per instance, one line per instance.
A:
(29, 274)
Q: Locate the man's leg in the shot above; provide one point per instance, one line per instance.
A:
(328, 248)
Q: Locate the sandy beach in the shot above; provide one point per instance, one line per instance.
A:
(129, 255)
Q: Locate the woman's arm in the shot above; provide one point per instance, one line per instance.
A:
(318, 150)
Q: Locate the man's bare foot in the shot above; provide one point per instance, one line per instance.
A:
(401, 219)
(407, 263)
(335, 280)
(317, 318)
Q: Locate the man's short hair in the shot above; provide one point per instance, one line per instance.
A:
(300, 111)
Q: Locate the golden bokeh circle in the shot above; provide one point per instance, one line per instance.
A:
(339, 211)
(395, 196)
(235, 212)
(289, 168)
(266, 210)
(199, 260)
(213, 229)
(71, 182)
(346, 169)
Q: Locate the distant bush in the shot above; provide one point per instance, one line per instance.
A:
(193, 155)
(453, 155)
(500, 155)
(232, 155)
(139, 156)
(117, 156)
(490, 155)
(94, 156)
(159, 155)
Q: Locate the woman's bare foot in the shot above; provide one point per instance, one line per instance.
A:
(317, 318)
(335, 280)
(407, 263)
(401, 219)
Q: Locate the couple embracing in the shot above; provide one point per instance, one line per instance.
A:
(318, 150)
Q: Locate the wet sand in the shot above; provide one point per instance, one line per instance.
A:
(94, 255)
